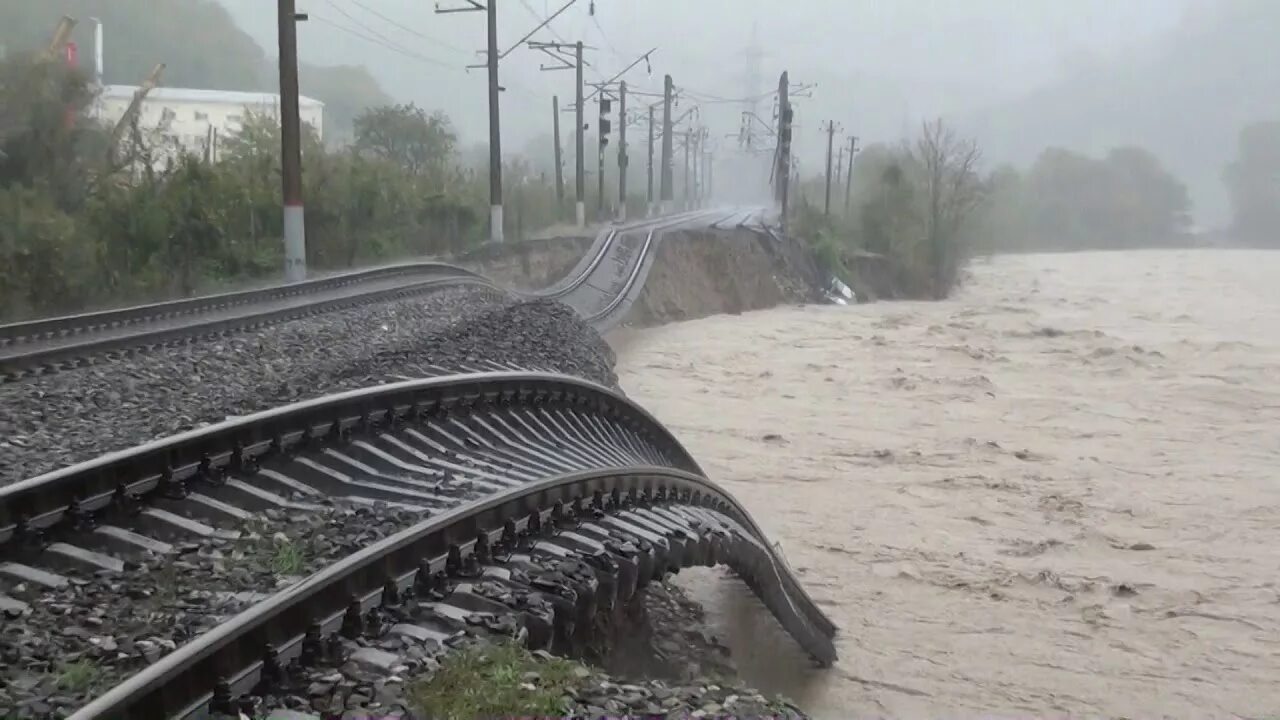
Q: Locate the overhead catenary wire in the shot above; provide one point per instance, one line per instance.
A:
(381, 37)
(536, 16)
(406, 28)
(415, 56)
(389, 46)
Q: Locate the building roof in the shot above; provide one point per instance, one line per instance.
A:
(194, 95)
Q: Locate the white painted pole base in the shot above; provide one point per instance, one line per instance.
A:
(649, 209)
(295, 244)
(622, 213)
(581, 209)
(495, 223)
(664, 208)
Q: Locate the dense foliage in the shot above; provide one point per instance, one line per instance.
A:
(914, 205)
(80, 226)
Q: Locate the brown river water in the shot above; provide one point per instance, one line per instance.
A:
(1057, 493)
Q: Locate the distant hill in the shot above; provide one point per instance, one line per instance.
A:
(1185, 98)
(197, 40)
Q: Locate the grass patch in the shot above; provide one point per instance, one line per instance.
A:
(78, 676)
(288, 558)
(270, 549)
(493, 681)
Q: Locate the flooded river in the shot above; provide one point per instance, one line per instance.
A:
(1057, 493)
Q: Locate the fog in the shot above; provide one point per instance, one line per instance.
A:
(1018, 75)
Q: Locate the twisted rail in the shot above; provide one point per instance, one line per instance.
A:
(562, 452)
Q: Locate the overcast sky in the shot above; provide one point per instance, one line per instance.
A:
(907, 59)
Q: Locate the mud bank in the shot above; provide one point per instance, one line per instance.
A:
(701, 273)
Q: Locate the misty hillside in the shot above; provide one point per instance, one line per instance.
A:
(1185, 98)
(216, 55)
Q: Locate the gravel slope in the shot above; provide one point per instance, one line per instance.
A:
(57, 420)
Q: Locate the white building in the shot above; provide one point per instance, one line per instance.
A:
(188, 118)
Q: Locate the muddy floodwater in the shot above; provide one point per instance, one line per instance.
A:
(1057, 493)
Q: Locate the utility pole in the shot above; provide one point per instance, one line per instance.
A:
(559, 53)
(782, 173)
(667, 180)
(495, 135)
(711, 172)
(688, 186)
(697, 167)
(839, 167)
(650, 207)
(622, 151)
(848, 186)
(831, 134)
(580, 165)
(295, 236)
(555, 116)
(705, 164)
(602, 133)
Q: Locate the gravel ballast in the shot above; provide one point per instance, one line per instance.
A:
(51, 421)
(428, 680)
(76, 641)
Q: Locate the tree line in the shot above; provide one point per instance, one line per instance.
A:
(919, 209)
(82, 224)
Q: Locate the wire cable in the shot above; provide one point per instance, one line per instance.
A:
(408, 29)
(393, 48)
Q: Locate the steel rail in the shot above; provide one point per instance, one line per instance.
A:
(30, 505)
(69, 341)
(20, 361)
(609, 316)
(580, 274)
(631, 454)
(44, 328)
(239, 653)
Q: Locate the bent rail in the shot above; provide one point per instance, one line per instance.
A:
(215, 670)
(530, 452)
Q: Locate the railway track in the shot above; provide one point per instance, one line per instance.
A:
(543, 499)
(535, 500)
(60, 343)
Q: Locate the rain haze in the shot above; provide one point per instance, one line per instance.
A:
(962, 313)
(884, 65)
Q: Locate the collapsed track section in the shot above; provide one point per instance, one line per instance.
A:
(515, 473)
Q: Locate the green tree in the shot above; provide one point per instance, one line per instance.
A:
(420, 144)
(914, 206)
(45, 139)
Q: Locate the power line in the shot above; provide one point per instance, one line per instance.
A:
(386, 40)
(604, 37)
(536, 16)
(415, 56)
(393, 48)
(408, 29)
